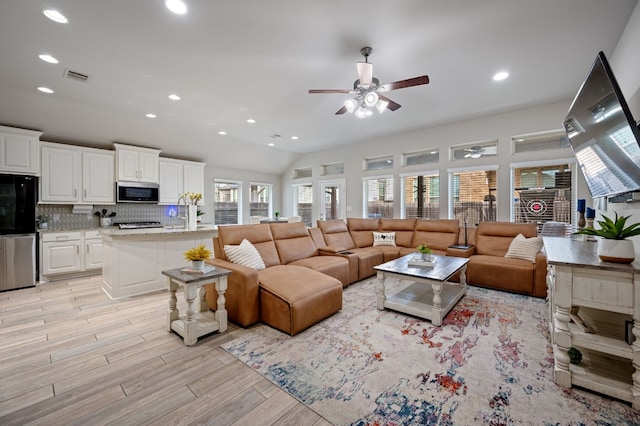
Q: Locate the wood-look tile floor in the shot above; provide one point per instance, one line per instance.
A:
(69, 355)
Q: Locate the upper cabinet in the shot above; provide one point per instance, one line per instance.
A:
(136, 164)
(19, 151)
(178, 177)
(76, 175)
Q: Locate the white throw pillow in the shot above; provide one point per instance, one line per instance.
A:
(384, 238)
(244, 254)
(524, 248)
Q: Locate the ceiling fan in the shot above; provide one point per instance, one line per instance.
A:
(368, 90)
(479, 151)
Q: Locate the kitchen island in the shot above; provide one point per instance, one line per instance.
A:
(135, 258)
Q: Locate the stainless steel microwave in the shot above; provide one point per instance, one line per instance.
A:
(137, 192)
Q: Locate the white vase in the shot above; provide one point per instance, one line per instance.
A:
(618, 251)
(192, 219)
(198, 265)
(425, 257)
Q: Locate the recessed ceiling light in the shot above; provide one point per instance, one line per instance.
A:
(271, 144)
(295, 138)
(45, 89)
(500, 76)
(55, 16)
(150, 115)
(251, 121)
(174, 97)
(222, 132)
(176, 6)
(48, 58)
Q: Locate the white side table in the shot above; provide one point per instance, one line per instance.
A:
(196, 323)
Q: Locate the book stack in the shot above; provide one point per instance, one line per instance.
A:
(204, 270)
(417, 261)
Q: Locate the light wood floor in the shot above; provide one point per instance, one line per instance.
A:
(70, 355)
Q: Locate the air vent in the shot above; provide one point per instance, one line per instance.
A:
(75, 75)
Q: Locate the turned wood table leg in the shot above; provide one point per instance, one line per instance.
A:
(190, 332)
(437, 303)
(173, 313)
(221, 312)
(381, 297)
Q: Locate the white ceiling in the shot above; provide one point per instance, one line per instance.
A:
(231, 60)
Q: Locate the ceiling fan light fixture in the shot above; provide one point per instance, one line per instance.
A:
(176, 6)
(371, 99)
(361, 112)
(382, 105)
(350, 105)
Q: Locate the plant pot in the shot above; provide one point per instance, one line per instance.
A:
(618, 251)
(105, 221)
(425, 257)
(198, 265)
(43, 225)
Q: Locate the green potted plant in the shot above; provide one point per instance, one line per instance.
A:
(425, 252)
(277, 215)
(43, 221)
(199, 214)
(197, 255)
(613, 246)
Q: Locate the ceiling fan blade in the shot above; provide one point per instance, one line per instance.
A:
(392, 104)
(410, 82)
(365, 73)
(341, 110)
(331, 91)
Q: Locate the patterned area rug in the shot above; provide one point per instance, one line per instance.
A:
(489, 363)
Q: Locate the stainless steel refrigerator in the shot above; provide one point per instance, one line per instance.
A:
(18, 195)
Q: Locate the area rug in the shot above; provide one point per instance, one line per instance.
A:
(489, 363)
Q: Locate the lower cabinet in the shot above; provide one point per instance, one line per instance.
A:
(71, 252)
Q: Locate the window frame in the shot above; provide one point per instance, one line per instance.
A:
(403, 176)
(270, 202)
(365, 192)
(295, 186)
(450, 189)
(239, 201)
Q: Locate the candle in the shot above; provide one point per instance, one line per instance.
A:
(581, 205)
(591, 213)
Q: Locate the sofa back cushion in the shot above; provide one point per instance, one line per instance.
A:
(293, 241)
(494, 238)
(258, 235)
(437, 234)
(362, 230)
(336, 234)
(403, 229)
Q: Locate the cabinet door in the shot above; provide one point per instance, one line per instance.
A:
(93, 254)
(171, 183)
(98, 177)
(19, 154)
(61, 257)
(128, 165)
(60, 182)
(194, 178)
(148, 166)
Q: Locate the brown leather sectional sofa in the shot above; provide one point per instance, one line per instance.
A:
(306, 268)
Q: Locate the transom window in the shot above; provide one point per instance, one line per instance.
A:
(421, 157)
(379, 163)
(475, 150)
(555, 139)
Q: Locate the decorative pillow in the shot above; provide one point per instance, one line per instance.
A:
(244, 254)
(384, 238)
(524, 248)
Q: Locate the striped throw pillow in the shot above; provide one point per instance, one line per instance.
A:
(524, 248)
(245, 254)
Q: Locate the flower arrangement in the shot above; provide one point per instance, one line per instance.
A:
(423, 248)
(42, 218)
(200, 252)
(191, 198)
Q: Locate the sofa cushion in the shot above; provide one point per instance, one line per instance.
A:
(244, 254)
(259, 235)
(361, 230)
(384, 238)
(494, 238)
(437, 234)
(403, 229)
(336, 234)
(524, 248)
(501, 273)
(293, 242)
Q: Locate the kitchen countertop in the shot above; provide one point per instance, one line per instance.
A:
(115, 231)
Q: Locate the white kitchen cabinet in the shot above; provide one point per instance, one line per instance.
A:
(19, 151)
(178, 177)
(93, 253)
(136, 164)
(61, 252)
(76, 175)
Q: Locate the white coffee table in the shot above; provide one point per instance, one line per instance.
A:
(431, 296)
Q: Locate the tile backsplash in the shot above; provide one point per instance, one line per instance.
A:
(61, 216)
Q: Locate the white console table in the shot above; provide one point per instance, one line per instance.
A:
(605, 295)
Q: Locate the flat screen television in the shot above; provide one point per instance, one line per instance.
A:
(604, 136)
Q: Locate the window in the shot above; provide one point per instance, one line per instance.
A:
(543, 192)
(473, 195)
(421, 157)
(260, 199)
(421, 196)
(332, 203)
(475, 150)
(540, 141)
(304, 172)
(378, 192)
(225, 205)
(379, 163)
(303, 202)
(332, 169)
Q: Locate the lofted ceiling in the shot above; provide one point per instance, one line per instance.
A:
(233, 60)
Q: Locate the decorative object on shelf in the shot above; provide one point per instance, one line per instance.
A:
(43, 221)
(581, 210)
(425, 252)
(199, 214)
(197, 255)
(614, 245)
(105, 219)
(277, 215)
(591, 214)
(575, 356)
(191, 200)
(192, 217)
